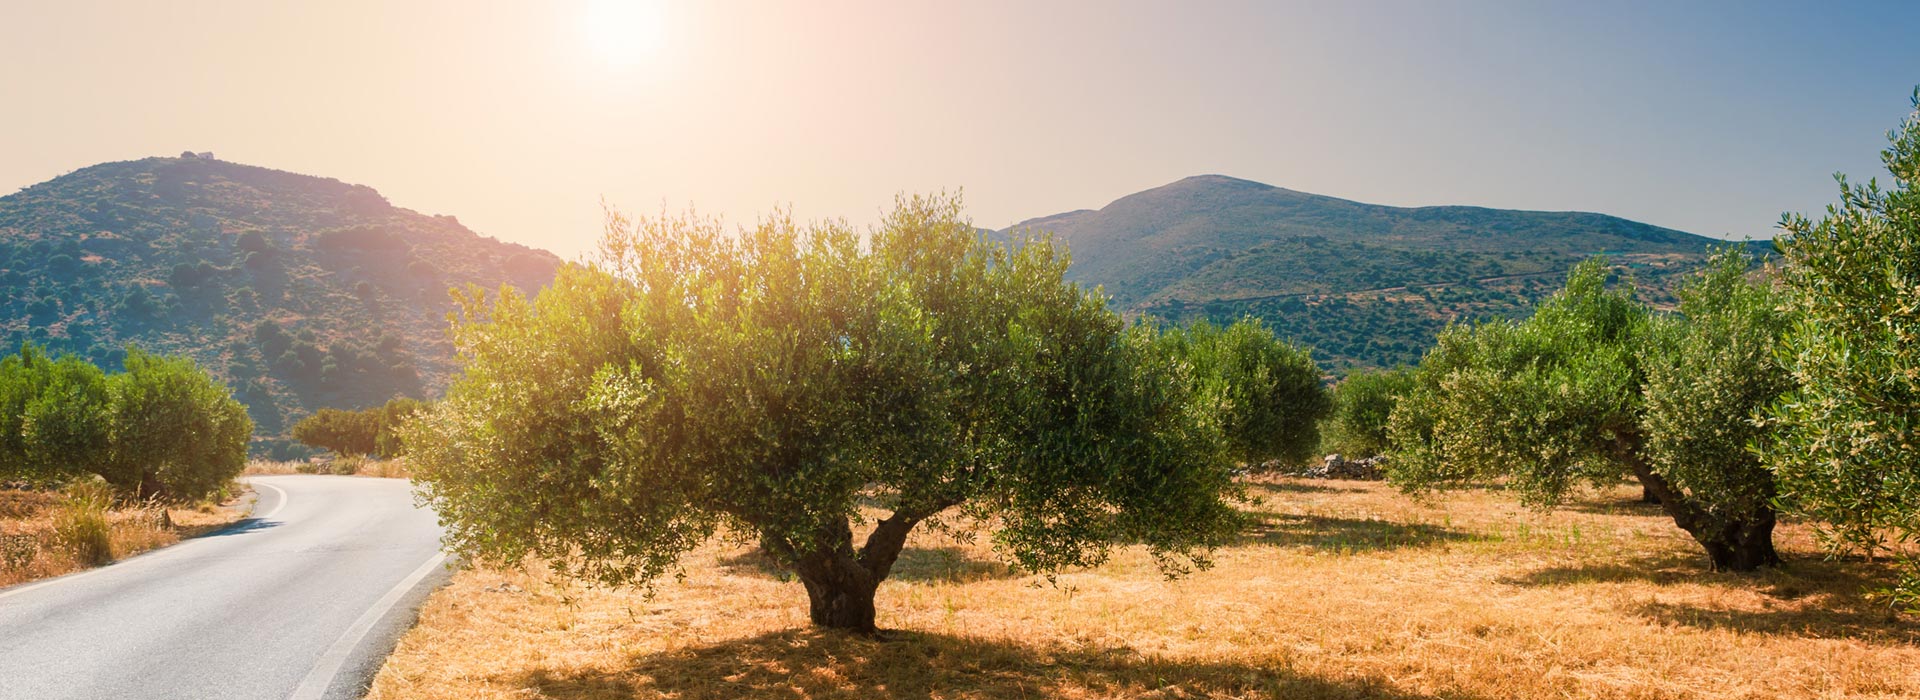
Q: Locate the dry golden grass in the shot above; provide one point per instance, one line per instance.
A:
(1344, 590)
(341, 466)
(30, 549)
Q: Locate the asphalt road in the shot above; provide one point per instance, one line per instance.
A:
(302, 601)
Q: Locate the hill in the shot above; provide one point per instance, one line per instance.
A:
(1364, 284)
(300, 292)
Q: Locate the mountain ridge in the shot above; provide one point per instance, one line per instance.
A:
(299, 291)
(1219, 247)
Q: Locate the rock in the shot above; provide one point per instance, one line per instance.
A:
(1335, 466)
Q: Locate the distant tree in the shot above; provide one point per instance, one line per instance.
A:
(1361, 403)
(349, 433)
(1272, 399)
(368, 432)
(785, 383)
(1846, 455)
(1561, 398)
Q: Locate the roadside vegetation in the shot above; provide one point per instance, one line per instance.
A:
(160, 429)
(50, 532)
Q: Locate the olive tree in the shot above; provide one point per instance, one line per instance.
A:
(1273, 398)
(1357, 424)
(795, 386)
(1561, 399)
(1711, 373)
(177, 432)
(1846, 455)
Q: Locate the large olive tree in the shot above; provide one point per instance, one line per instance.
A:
(798, 386)
(1847, 455)
(1591, 388)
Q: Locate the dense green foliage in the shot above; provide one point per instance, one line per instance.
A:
(1849, 432)
(300, 292)
(1361, 284)
(1362, 402)
(367, 432)
(161, 428)
(1273, 396)
(786, 383)
(1564, 398)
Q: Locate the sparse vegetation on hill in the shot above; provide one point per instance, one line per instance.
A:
(1362, 285)
(301, 292)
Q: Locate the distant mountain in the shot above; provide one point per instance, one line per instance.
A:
(301, 292)
(1364, 284)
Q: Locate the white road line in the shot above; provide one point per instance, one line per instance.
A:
(314, 686)
(111, 566)
(276, 506)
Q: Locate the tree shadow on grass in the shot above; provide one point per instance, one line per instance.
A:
(916, 564)
(826, 665)
(1806, 597)
(1346, 534)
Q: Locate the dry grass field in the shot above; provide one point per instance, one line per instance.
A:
(31, 545)
(1344, 590)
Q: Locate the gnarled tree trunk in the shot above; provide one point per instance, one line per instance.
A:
(1743, 545)
(840, 581)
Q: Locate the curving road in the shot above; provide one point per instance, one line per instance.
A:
(302, 601)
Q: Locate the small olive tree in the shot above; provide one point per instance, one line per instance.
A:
(1357, 425)
(795, 386)
(1562, 398)
(177, 432)
(1846, 455)
(1272, 398)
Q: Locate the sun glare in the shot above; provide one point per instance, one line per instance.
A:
(621, 32)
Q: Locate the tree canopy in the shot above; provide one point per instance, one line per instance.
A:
(1273, 398)
(161, 428)
(1846, 453)
(793, 385)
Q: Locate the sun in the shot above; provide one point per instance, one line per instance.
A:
(621, 32)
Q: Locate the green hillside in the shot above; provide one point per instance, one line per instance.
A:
(300, 292)
(1365, 285)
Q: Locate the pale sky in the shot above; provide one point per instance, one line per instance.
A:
(521, 117)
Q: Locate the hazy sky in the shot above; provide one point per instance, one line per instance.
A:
(520, 117)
